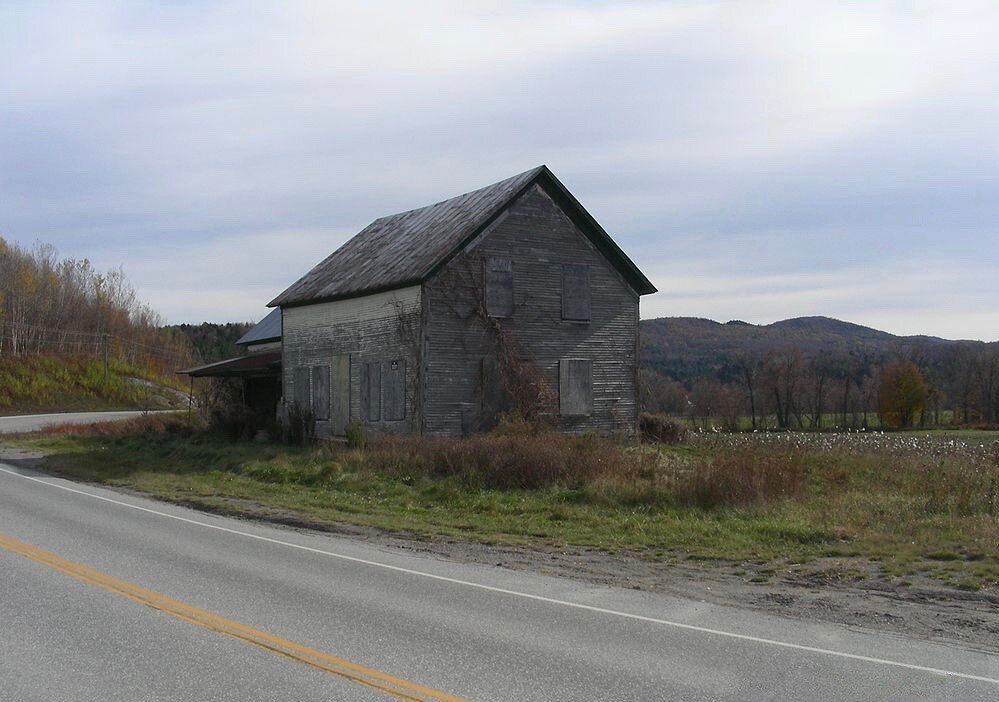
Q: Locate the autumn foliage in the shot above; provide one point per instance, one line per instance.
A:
(64, 306)
(903, 394)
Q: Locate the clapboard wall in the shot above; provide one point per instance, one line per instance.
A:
(374, 329)
(459, 339)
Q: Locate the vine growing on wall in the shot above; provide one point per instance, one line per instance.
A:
(527, 390)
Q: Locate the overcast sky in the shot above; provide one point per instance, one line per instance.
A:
(758, 160)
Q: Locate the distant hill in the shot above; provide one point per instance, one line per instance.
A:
(689, 348)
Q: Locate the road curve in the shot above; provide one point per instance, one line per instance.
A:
(457, 630)
(33, 422)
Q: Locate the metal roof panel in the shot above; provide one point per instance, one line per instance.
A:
(267, 329)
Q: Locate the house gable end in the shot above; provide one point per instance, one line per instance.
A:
(571, 209)
(478, 350)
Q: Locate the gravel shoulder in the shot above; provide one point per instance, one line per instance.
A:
(921, 609)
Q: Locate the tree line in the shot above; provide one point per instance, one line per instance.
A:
(214, 341)
(785, 388)
(55, 305)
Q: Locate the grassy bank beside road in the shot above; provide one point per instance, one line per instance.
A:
(889, 506)
(32, 384)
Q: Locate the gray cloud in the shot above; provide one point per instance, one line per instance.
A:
(760, 160)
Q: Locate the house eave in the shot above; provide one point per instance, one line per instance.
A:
(346, 296)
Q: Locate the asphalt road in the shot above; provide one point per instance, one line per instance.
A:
(478, 633)
(34, 422)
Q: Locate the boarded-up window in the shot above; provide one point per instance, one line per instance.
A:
(340, 389)
(394, 390)
(575, 387)
(302, 390)
(321, 392)
(576, 292)
(499, 287)
(371, 391)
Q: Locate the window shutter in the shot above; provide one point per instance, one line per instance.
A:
(499, 287)
(371, 391)
(394, 388)
(576, 292)
(321, 392)
(302, 392)
(575, 387)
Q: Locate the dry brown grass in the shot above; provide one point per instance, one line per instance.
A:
(742, 478)
(143, 424)
(610, 471)
(527, 461)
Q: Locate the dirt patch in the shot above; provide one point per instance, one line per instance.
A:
(25, 458)
(922, 609)
(158, 396)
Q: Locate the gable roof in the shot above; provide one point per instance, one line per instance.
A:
(406, 248)
(267, 329)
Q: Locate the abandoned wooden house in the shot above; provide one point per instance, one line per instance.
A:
(439, 319)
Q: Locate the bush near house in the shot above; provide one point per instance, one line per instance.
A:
(658, 428)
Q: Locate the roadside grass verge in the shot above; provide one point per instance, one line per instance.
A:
(38, 383)
(929, 507)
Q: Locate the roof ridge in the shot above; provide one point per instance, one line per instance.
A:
(533, 171)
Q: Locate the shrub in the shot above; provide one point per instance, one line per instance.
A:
(515, 424)
(234, 422)
(356, 436)
(300, 425)
(658, 428)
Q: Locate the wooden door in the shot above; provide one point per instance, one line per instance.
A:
(340, 385)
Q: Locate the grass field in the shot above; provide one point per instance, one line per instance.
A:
(892, 505)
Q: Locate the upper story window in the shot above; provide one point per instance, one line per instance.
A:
(499, 287)
(576, 292)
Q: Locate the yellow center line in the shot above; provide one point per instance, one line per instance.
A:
(369, 677)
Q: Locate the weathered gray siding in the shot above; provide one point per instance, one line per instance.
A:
(264, 347)
(460, 341)
(378, 328)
